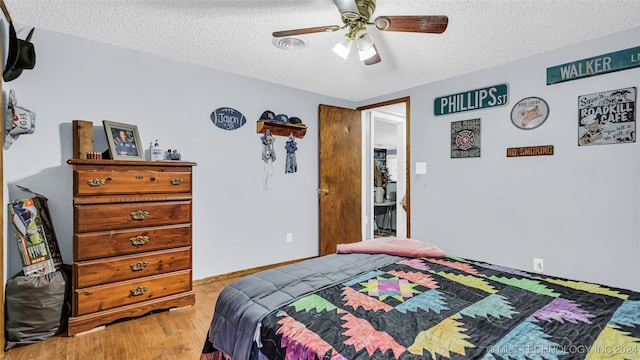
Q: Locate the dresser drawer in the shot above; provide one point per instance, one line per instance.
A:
(104, 297)
(94, 245)
(97, 272)
(110, 180)
(130, 215)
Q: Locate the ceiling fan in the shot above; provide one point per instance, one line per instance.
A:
(356, 16)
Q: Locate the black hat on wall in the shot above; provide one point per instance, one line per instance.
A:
(21, 55)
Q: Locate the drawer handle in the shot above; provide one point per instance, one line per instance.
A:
(139, 240)
(137, 291)
(138, 266)
(177, 181)
(139, 215)
(95, 182)
(139, 177)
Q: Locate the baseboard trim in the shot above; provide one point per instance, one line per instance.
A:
(245, 272)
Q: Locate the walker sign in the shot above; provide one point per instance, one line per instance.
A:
(597, 65)
(497, 95)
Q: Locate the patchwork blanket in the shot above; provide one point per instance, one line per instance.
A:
(451, 308)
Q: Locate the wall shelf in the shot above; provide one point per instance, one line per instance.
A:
(281, 128)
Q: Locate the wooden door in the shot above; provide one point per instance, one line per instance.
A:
(340, 172)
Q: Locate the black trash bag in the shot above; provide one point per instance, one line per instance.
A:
(36, 307)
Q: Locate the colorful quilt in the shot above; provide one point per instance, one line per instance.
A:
(454, 308)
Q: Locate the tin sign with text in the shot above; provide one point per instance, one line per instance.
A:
(492, 96)
(597, 65)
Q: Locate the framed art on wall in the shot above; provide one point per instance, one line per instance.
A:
(124, 141)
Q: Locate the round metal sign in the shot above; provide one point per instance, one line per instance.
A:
(529, 113)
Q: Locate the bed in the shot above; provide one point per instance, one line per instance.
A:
(371, 303)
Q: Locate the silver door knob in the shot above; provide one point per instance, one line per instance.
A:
(323, 191)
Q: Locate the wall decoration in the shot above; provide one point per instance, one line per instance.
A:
(607, 117)
(597, 65)
(18, 120)
(228, 118)
(268, 156)
(530, 151)
(291, 164)
(492, 96)
(124, 141)
(465, 138)
(529, 113)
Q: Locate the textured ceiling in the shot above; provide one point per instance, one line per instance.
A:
(235, 36)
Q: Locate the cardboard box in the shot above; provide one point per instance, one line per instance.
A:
(33, 229)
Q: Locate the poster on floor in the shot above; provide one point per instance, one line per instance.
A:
(465, 139)
(607, 117)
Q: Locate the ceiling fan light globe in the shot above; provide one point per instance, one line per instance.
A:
(343, 48)
(364, 40)
(367, 54)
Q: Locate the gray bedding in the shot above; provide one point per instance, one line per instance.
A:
(242, 304)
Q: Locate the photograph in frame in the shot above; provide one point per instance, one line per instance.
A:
(124, 141)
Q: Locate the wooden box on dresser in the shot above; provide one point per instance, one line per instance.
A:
(131, 239)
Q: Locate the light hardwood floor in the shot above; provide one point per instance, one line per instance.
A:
(174, 335)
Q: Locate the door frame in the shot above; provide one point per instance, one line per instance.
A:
(407, 102)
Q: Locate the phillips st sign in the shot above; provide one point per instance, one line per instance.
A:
(497, 95)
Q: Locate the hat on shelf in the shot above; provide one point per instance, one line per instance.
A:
(268, 115)
(282, 118)
(295, 120)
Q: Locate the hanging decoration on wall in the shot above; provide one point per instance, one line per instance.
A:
(529, 113)
(530, 151)
(492, 96)
(608, 117)
(597, 65)
(291, 164)
(228, 118)
(21, 54)
(18, 121)
(465, 139)
(268, 156)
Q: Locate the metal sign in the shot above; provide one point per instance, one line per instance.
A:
(597, 65)
(497, 95)
(607, 117)
(465, 139)
(529, 113)
(530, 151)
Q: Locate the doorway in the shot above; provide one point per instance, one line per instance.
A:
(385, 160)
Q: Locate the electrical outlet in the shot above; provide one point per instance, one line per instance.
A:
(289, 238)
(538, 265)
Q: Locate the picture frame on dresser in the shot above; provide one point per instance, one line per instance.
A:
(124, 141)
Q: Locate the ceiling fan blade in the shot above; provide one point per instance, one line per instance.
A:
(310, 30)
(374, 59)
(435, 24)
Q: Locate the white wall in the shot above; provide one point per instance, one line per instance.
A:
(236, 223)
(577, 209)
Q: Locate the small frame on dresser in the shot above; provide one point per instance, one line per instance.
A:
(124, 141)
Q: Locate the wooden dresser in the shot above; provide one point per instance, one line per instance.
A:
(131, 239)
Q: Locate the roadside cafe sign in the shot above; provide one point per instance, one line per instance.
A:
(597, 65)
(492, 96)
